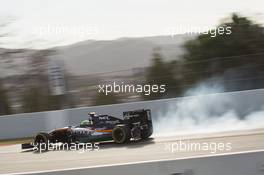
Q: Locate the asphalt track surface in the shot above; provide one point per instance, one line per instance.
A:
(14, 160)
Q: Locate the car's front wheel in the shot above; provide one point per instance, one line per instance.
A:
(41, 141)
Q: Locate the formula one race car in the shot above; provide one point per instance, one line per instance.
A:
(135, 124)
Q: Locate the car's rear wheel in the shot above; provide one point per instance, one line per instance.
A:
(121, 134)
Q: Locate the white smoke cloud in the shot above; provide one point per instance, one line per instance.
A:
(207, 109)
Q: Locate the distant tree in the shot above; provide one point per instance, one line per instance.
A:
(102, 99)
(160, 73)
(32, 77)
(37, 95)
(33, 100)
(238, 55)
(5, 108)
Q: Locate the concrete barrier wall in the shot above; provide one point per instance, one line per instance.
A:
(236, 164)
(26, 125)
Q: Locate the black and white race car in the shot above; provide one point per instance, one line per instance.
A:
(135, 124)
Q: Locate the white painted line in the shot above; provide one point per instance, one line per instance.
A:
(134, 163)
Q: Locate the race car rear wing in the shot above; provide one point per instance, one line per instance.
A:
(142, 116)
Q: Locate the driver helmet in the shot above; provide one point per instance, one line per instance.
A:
(91, 114)
(86, 123)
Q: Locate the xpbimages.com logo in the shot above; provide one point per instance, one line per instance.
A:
(80, 147)
(146, 89)
(187, 145)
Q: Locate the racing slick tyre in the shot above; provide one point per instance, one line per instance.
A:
(121, 134)
(41, 141)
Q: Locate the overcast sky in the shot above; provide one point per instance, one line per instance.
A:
(43, 23)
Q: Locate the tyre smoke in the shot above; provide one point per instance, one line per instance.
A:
(207, 108)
